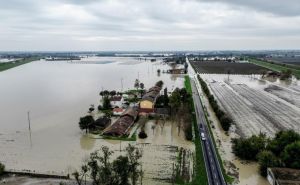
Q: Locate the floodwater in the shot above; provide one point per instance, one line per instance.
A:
(247, 172)
(57, 93)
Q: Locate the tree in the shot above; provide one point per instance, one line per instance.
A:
(291, 155)
(106, 103)
(101, 93)
(142, 86)
(225, 122)
(134, 156)
(2, 168)
(175, 100)
(281, 140)
(85, 122)
(159, 83)
(266, 159)
(166, 97)
(136, 84)
(249, 148)
(105, 92)
(121, 168)
(112, 93)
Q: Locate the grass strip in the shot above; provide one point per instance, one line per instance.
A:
(200, 175)
(276, 67)
(8, 65)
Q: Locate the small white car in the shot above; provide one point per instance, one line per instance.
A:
(203, 136)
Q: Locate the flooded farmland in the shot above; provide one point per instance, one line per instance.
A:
(254, 108)
(57, 93)
(249, 116)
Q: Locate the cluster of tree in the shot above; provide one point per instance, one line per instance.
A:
(106, 95)
(109, 93)
(223, 117)
(138, 84)
(286, 74)
(163, 100)
(179, 101)
(124, 170)
(2, 168)
(281, 151)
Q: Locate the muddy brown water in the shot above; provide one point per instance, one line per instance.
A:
(57, 93)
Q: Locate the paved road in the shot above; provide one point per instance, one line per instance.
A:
(213, 169)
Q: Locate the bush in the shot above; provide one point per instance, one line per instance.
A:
(143, 135)
(220, 113)
(291, 155)
(2, 168)
(249, 148)
(225, 122)
(188, 131)
(266, 159)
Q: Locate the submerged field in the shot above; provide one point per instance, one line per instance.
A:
(255, 105)
(57, 94)
(221, 67)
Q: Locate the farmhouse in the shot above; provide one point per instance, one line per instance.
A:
(177, 71)
(118, 111)
(148, 100)
(123, 124)
(283, 176)
(116, 101)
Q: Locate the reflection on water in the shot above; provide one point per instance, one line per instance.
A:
(86, 142)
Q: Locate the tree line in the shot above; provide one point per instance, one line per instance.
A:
(179, 101)
(223, 117)
(281, 151)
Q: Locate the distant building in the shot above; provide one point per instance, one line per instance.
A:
(177, 71)
(116, 101)
(148, 100)
(283, 176)
(118, 111)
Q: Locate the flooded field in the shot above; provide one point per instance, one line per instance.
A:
(253, 106)
(244, 172)
(57, 93)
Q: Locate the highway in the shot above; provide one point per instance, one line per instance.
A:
(213, 169)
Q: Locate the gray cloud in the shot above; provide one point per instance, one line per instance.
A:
(277, 7)
(151, 24)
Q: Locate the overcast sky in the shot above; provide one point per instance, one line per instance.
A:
(73, 25)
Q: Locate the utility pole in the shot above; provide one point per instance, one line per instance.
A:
(28, 116)
(121, 84)
(29, 127)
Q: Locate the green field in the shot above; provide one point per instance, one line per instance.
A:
(276, 67)
(200, 176)
(9, 65)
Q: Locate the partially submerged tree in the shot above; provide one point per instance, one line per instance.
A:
(159, 83)
(85, 122)
(2, 168)
(136, 83)
(106, 103)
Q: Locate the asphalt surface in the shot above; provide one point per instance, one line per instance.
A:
(213, 169)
